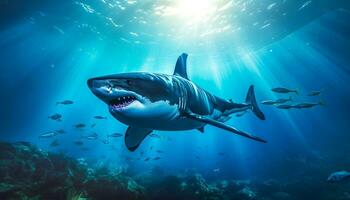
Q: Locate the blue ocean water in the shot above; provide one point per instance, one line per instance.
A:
(49, 50)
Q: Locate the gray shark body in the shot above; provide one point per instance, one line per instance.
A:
(150, 101)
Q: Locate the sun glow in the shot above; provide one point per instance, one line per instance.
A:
(195, 20)
(190, 12)
(195, 12)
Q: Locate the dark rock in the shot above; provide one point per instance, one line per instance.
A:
(197, 186)
(247, 193)
(167, 188)
(27, 172)
(105, 186)
(281, 196)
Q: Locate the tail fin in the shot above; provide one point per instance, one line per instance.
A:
(250, 99)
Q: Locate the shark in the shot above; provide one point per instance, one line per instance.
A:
(152, 101)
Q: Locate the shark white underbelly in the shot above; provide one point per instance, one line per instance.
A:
(160, 115)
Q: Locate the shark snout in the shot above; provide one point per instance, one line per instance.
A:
(101, 89)
(90, 82)
(109, 92)
(94, 83)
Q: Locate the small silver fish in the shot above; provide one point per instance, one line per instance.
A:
(93, 136)
(284, 90)
(308, 105)
(80, 125)
(115, 135)
(57, 117)
(99, 117)
(65, 102)
(314, 93)
(48, 134)
(286, 107)
(268, 102)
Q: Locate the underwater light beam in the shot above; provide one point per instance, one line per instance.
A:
(191, 13)
(196, 11)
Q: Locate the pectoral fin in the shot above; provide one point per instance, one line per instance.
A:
(222, 126)
(134, 136)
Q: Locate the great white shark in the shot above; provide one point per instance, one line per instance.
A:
(150, 101)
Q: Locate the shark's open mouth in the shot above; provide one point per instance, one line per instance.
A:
(121, 102)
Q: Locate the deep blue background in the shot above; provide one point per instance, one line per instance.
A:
(45, 57)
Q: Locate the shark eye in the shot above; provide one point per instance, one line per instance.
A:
(129, 82)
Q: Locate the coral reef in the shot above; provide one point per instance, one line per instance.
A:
(29, 173)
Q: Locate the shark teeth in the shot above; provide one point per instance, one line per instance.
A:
(121, 102)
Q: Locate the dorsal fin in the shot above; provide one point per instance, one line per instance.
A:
(180, 67)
